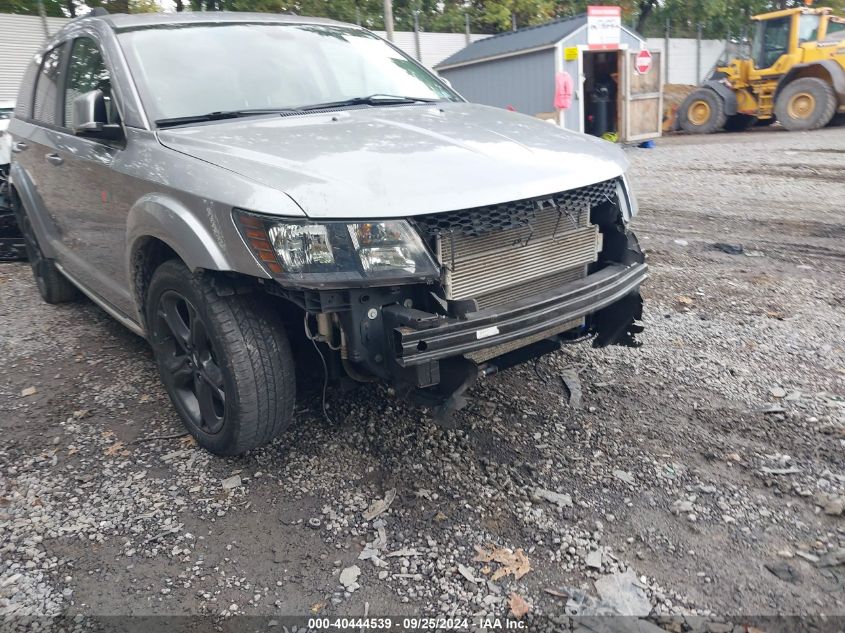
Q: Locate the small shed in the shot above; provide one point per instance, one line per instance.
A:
(617, 85)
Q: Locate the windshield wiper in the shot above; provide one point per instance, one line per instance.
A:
(373, 99)
(220, 115)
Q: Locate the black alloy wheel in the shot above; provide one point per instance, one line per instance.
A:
(189, 362)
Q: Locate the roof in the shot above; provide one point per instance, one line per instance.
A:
(527, 38)
(140, 20)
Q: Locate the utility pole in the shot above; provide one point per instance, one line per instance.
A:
(388, 19)
(698, 53)
(43, 15)
(466, 18)
(417, 35)
(666, 50)
(513, 21)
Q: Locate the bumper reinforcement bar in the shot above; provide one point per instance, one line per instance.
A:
(495, 326)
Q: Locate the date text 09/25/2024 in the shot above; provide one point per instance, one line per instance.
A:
(413, 623)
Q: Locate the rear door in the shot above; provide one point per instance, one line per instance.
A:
(643, 100)
(34, 149)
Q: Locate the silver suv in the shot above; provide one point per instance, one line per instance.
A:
(232, 185)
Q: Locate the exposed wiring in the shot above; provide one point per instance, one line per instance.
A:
(313, 340)
(311, 336)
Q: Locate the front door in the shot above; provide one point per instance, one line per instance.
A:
(643, 101)
(94, 208)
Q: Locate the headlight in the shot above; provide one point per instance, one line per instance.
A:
(337, 253)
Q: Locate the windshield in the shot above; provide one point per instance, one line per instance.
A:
(191, 70)
(808, 28)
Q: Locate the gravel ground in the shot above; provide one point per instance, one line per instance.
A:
(699, 480)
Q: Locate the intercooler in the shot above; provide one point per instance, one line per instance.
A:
(504, 252)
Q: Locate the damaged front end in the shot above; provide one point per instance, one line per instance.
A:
(516, 280)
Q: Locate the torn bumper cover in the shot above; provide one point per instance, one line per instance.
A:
(419, 339)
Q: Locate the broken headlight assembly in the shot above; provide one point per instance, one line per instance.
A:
(626, 199)
(325, 254)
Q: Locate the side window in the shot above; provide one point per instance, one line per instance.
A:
(87, 71)
(775, 41)
(46, 88)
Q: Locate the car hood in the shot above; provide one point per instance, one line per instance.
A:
(402, 160)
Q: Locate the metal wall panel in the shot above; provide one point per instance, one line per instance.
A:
(20, 38)
(526, 82)
(434, 47)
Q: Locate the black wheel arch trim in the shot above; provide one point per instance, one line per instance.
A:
(728, 96)
(33, 206)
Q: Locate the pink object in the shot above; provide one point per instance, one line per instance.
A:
(564, 87)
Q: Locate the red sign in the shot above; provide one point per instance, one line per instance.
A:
(643, 63)
(604, 25)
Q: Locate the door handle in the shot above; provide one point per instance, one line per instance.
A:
(19, 147)
(55, 159)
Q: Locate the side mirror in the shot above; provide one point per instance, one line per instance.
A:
(90, 117)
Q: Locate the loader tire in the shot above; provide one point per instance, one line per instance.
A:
(808, 103)
(703, 112)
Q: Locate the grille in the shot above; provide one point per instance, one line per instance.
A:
(509, 215)
(501, 253)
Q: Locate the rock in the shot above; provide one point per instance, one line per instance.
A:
(778, 392)
(379, 506)
(624, 476)
(349, 576)
(784, 571)
(680, 242)
(29, 391)
(730, 249)
(468, 573)
(833, 558)
(682, 506)
(570, 379)
(314, 523)
(622, 592)
(382, 575)
(785, 553)
(230, 483)
(835, 506)
(780, 471)
(593, 559)
(807, 556)
(559, 499)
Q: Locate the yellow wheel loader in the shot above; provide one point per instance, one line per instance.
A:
(793, 72)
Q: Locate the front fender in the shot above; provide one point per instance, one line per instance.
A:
(168, 220)
(727, 95)
(834, 70)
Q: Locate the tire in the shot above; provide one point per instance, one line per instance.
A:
(224, 359)
(740, 122)
(808, 103)
(53, 286)
(702, 112)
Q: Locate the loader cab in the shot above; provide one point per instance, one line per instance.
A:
(771, 41)
(783, 32)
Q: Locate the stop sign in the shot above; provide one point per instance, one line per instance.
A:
(643, 63)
